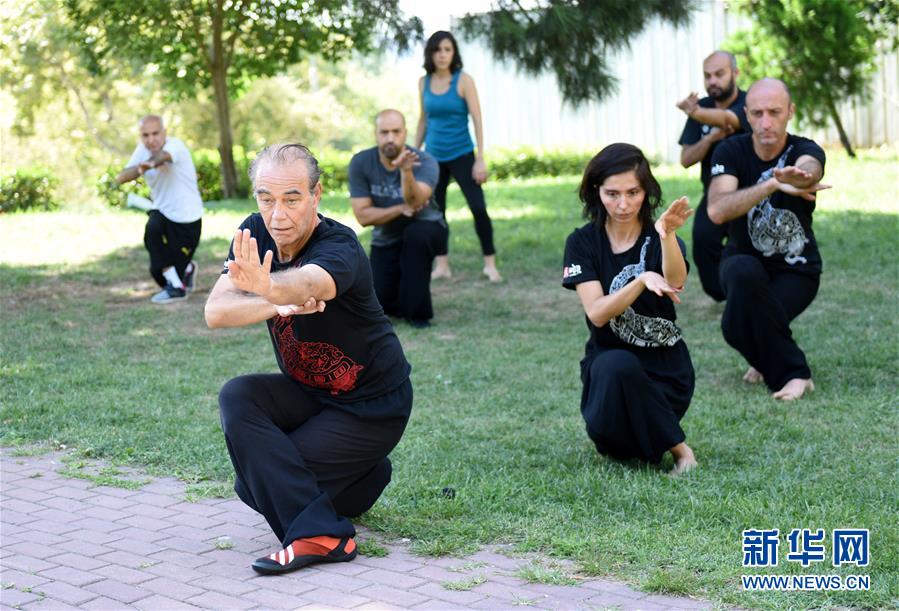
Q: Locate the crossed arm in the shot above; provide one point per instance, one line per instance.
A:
(727, 202)
(416, 195)
(250, 292)
(136, 171)
(601, 308)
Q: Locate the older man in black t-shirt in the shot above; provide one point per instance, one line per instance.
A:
(309, 445)
(764, 186)
(709, 121)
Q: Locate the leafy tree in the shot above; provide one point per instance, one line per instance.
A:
(571, 38)
(224, 44)
(824, 50)
(41, 63)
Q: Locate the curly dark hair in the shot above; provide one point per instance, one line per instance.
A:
(615, 159)
(431, 46)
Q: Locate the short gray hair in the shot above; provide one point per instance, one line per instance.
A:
(283, 153)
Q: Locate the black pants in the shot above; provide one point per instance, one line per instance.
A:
(708, 244)
(756, 320)
(301, 464)
(628, 413)
(460, 169)
(170, 244)
(402, 271)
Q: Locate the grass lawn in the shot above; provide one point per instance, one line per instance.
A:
(88, 362)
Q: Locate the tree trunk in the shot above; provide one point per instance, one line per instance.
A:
(839, 125)
(219, 68)
(223, 114)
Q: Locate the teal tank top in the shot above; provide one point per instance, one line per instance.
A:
(446, 135)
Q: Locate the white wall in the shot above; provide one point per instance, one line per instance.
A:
(662, 66)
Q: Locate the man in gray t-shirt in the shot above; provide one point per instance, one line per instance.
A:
(391, 188)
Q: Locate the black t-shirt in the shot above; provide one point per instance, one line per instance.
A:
(349, 353)
(649, 321)
(694, 131)
(777, 230)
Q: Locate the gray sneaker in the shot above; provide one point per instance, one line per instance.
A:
(190, 277)
(169, 295)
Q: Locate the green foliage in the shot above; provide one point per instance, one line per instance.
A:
(533, 163)
(572, 38)
(823, 49)
(28, 189)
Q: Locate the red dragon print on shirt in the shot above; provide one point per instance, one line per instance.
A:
(316, 364)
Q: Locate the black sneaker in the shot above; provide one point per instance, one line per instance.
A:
(169, 295)
(190, 277)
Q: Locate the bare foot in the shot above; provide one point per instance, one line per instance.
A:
(684, 459)
(441, 273)
(492, 274)
(442, 269)
(752, 376)
(794, 389)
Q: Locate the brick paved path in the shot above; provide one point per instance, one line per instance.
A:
(67, 543)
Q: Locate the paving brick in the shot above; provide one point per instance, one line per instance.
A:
(171, 587)
(223, 585)
(84, 548)
(393, 578)
(173, 571)
(14, 598)
(26, 564)
(139, 534)
(123, 558)
(94, 536)
(192, 520)
(21, 506)
(197, 509)
(180, 558)
(336, 600)
(20, 579)
(216, 600)
(155, 603)
(69, 575)
(396, 596)
(145, 522)
(166, 486)
(554, 591)
(135, 546)
(79, 561)
(114, 491)
(66, 593)
(51, 604)
(101, 603)
(345, 568)
(117, 590)
(612, 587)
(189, 533)
(103, 513)
(14, 517)
(266, 599)
(113, 502)
(435, 590)
(104, 526)
(123, 574)
(157, 500)
(434, 573)
(502, 591)
(671, 602)
(53, 515)
(70, 506)
(24, 494)
(72, 491)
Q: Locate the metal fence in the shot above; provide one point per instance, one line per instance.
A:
(663, 65)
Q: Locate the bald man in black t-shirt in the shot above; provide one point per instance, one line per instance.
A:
(763, 187)
(309, 445)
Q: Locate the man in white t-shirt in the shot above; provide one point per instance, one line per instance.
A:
(173, 229)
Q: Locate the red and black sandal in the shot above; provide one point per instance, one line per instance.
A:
(306, 551)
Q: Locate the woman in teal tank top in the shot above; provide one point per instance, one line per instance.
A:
(448, 96)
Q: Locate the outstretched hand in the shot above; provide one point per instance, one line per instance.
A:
(406, 160)
(674, 217)
(657, 284)
(246, 271)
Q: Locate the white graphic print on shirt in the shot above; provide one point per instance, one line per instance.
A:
(774, 230)
(636, 329)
